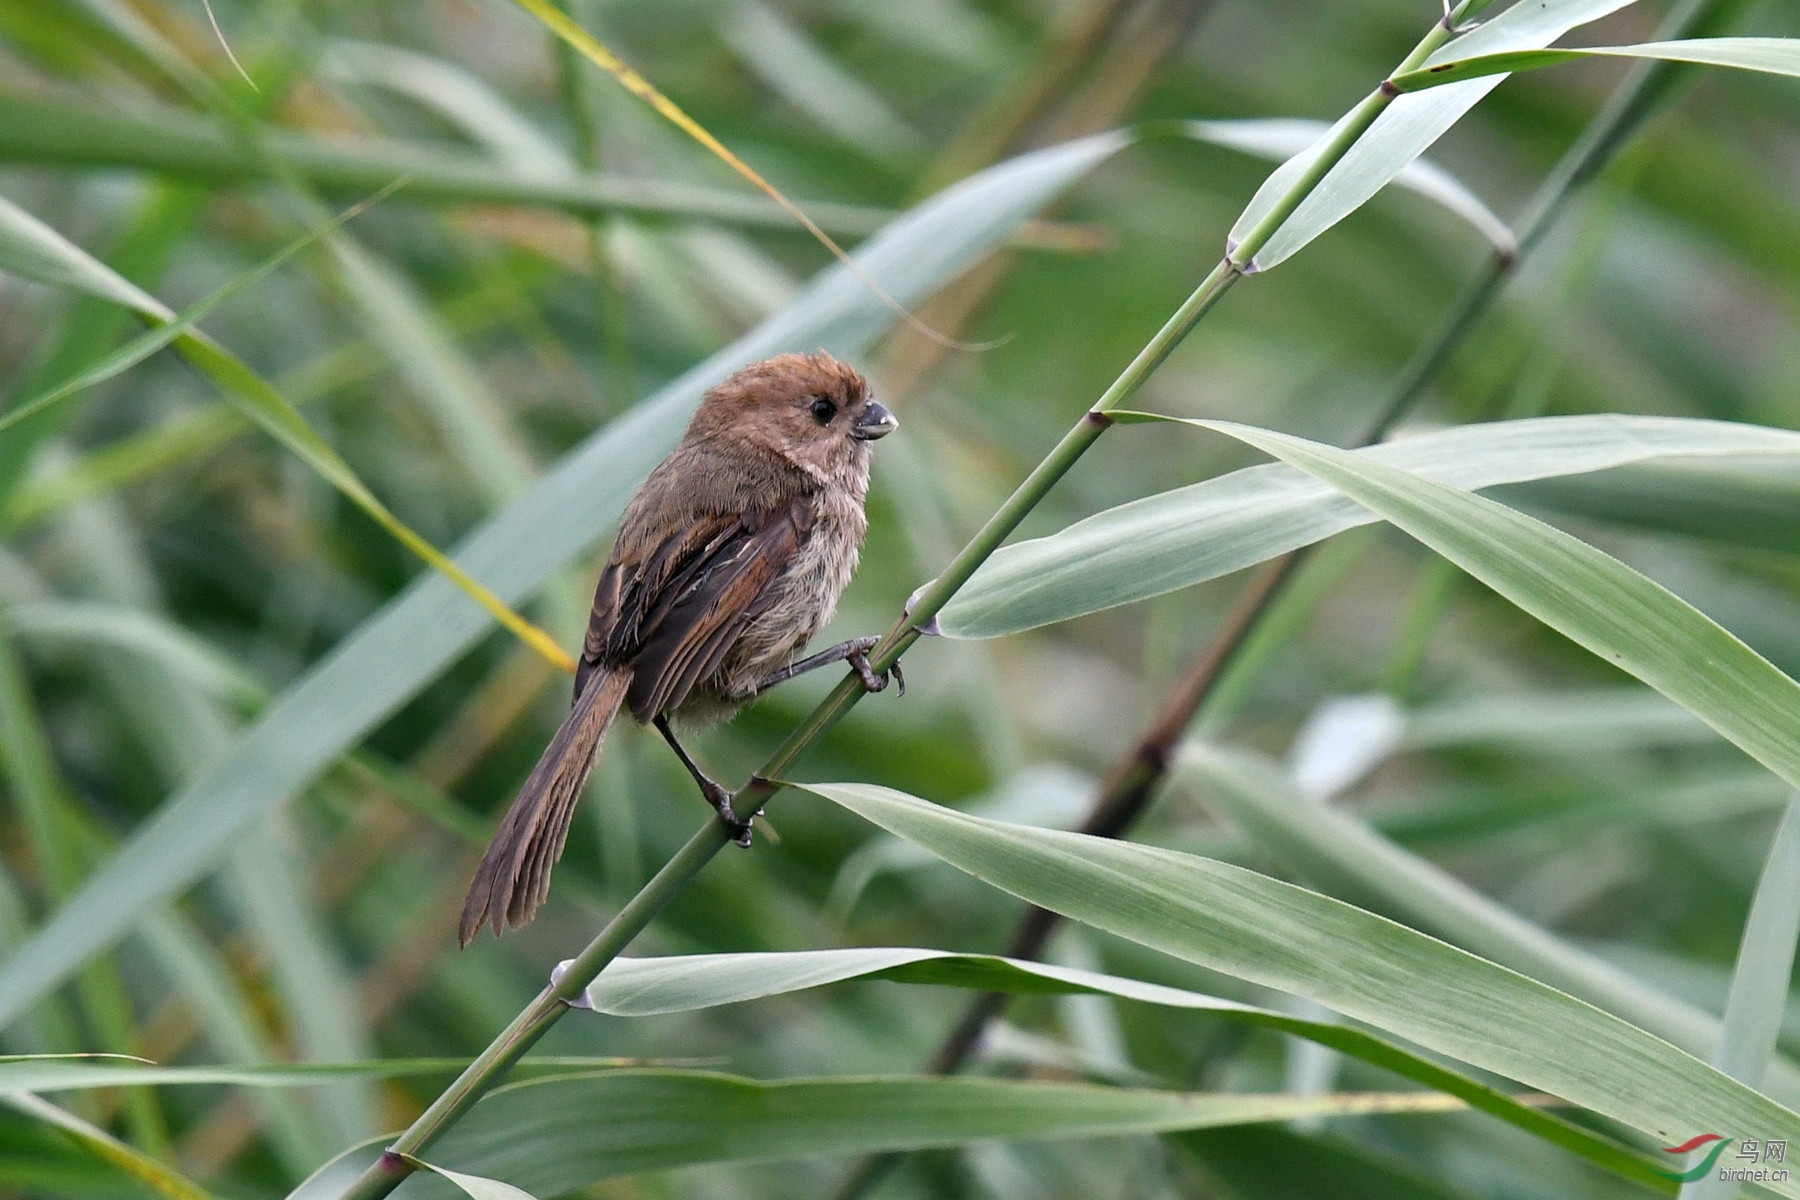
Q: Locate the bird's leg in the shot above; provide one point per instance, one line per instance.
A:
(716, 793)
(855, 652)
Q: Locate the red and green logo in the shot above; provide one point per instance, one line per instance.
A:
(1704, 1166)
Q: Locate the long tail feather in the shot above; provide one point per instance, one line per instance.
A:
(514, 875)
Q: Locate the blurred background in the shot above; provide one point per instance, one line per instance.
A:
(167, 569)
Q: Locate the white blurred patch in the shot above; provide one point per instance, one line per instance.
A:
(1345, 738)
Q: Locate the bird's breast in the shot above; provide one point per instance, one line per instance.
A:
(803, 598)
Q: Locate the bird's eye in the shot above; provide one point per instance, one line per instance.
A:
(823, 410)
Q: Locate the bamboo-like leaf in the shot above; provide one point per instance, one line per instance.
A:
(28, 246)
(1759, 984)
(1736, 502)
(1357, 864)
(633, 987)
(1363, 966)
(558, 1135)
(477, 1187)
(1405, 130)
(1584, 594)
(398, 650)
(181, 439)
(33, 130)
(1765, 963)
(456, 93)
(1770, 56)
(1280, 138)
(165, 331)
(159, 1178)
(83, 1072)
(30, 249)
(132, 629)
(1195, 533)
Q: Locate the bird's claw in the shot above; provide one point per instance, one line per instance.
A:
(720, 799)
(873, 680)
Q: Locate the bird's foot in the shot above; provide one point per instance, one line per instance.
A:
(872, 680)
(719, 797)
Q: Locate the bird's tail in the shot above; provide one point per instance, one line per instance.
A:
(514, 875)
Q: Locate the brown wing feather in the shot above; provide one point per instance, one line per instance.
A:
(706, 606)
(634, 582)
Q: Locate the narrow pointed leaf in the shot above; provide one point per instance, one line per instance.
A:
(644, 986)
(1191, 534)
(477, 1187)
(81, 1072)
(158, 1177)
(1359, 865)
(1584, 594)
(1406, 129)
(1770, 56)
(37, 248)
(1759, 984)
(1281, 138)
(557, 1135)
(1765, 963)
(1368, 968)
(164, 332)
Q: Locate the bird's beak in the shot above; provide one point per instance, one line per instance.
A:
(875, 422)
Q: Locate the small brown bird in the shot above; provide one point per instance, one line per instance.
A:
(730, 557)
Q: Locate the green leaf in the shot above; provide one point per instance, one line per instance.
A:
(122, 627)
(150, 138)
(1404, 130)
(557, 1135)
(454, 92)
(32, 250)
(79, 1072)
(1741, 502)
(165, 330)
(1357, 864)
(633, 987)
(1771, 56)
(452, 392)
(476, 1186)
(1765, 963)
(1366, 967)
(1281, 138)
(416, 635)
(1759, 984)
(1267, 1162)
(28, 246)
(1182, 537)
(161, 1179)
(1589, 597)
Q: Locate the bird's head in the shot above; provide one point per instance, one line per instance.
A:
(809, 409)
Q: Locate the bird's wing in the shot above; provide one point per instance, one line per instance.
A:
(675, 614)
(634, 580)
